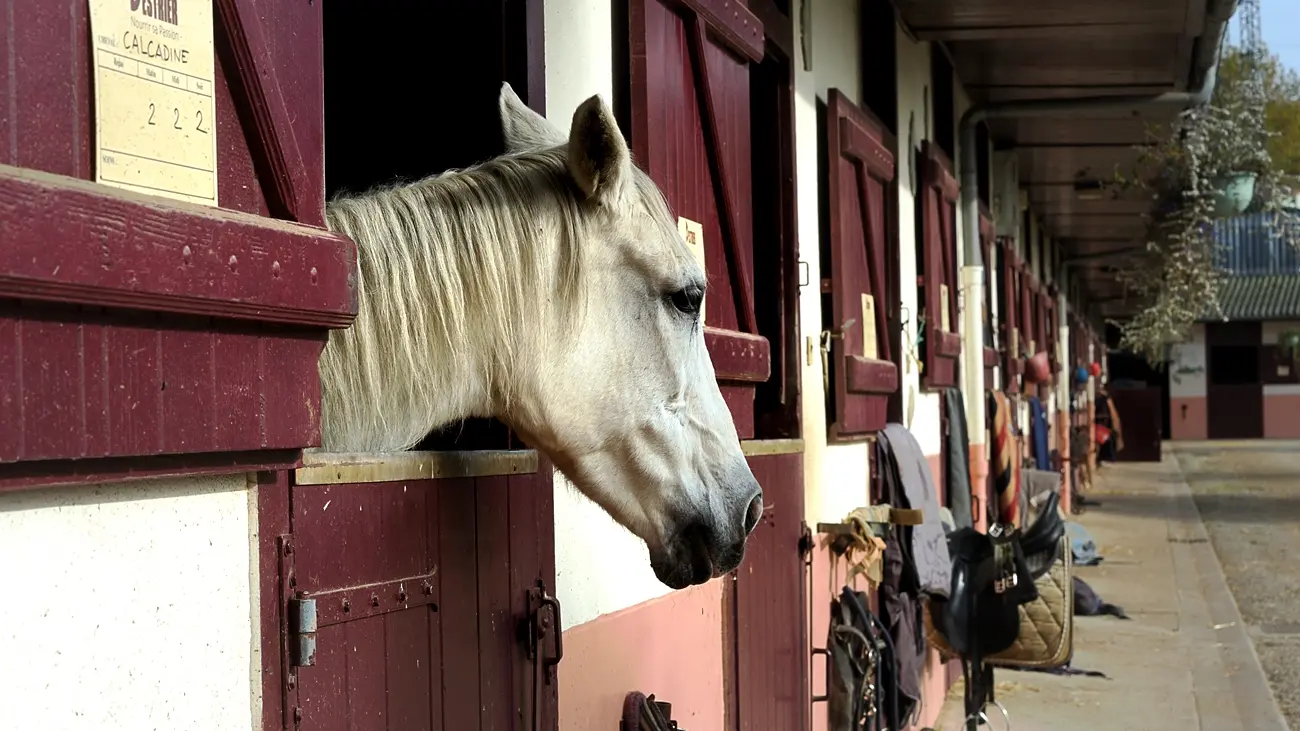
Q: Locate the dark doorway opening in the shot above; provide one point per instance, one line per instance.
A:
(411, 91)
(776, 254)
(432, 106)
(1126, 370)
(1234, 391)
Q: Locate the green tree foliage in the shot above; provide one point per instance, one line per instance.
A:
(1184, 167)
(1281, 87)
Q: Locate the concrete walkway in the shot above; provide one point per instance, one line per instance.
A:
(1183, 662)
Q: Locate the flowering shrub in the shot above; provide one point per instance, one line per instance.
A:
(1184, 168)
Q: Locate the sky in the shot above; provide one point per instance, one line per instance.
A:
(1280, 22)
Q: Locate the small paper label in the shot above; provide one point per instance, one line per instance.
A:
(945, 319)
(870, 344)
(1284, 371)
(155, 118)
(693, 233)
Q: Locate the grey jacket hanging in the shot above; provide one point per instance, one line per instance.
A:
(905, 462)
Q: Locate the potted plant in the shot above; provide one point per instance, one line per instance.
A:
(1211, 162)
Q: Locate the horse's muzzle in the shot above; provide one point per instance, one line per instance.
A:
(698, 553)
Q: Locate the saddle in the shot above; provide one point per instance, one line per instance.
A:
(993, 574)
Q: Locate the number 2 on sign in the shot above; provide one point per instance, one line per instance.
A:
(176, 118)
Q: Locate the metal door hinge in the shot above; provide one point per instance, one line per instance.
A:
(302, 632)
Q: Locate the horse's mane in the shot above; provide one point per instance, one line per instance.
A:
(451, 268)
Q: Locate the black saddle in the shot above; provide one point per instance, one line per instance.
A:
(992, 575)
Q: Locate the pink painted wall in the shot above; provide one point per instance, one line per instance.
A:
(671, 646)
(1282, 416)
(1188, 418)
(936, 473)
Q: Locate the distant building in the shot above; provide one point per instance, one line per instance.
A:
(1230, 380)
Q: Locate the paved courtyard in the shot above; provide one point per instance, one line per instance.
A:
(1188, 658)
(1248, 494)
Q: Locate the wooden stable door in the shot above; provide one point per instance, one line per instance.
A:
(421, 604)
(770, 653)
(141, 336)
(708, 110)
(859, 272)
(689, 119)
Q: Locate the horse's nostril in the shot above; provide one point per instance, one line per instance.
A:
(754, 513)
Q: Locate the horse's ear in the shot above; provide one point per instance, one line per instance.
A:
(522, 128)
(598, 156)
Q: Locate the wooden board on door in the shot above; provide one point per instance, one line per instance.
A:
(420, 589)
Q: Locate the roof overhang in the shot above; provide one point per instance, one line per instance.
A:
(1026, 52)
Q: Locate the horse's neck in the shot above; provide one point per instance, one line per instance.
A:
(391, 378)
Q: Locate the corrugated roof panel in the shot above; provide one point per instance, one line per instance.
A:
(1260, 297)
(1253, 245)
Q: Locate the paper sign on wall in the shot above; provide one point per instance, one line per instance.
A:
(870, 343)
(945, 317)
(693, 233)
(155, 118)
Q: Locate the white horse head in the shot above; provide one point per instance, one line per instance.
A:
(548, 288)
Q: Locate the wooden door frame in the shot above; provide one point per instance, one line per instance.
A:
(773, 446)
(778, 47)
(525, 71)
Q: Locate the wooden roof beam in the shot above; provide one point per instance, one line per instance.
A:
(1046, 30)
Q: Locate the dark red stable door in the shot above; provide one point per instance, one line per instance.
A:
(422, 605)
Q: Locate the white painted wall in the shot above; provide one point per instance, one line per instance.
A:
(579, 55)
(1187, 374)
(835, 476)
(920, 410)
(131, 606)
(1271, 331)
(1274, 328)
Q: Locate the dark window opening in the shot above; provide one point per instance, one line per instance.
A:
(879, 61)
(824, 212)
(775, 263)
(990, 264)
(982, 163)
(918, 224)
(1005, 315)
(401, 126)
(942, 102)
(1234, 365)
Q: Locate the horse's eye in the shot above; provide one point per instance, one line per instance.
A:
(688, 300)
